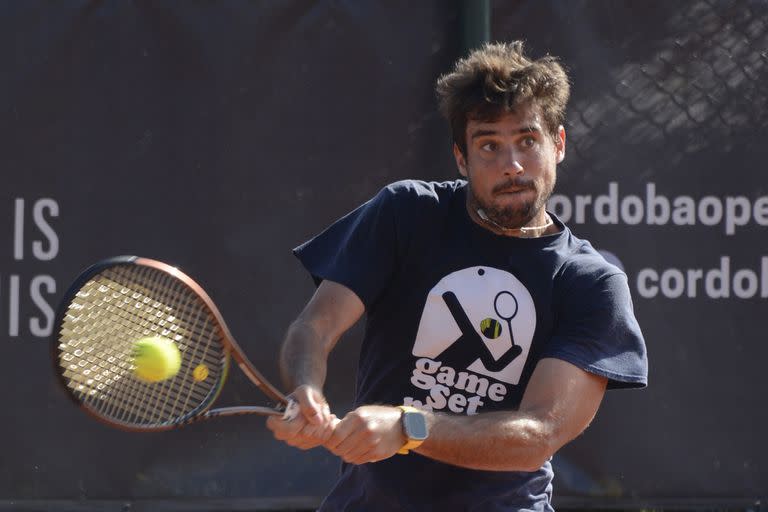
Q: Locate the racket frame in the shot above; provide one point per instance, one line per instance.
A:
(230, 349)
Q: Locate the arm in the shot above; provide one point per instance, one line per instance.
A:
(558, 405)
(331, 311)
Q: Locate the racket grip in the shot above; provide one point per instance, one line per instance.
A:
(291, 410)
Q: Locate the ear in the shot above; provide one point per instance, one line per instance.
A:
(461, 162)
(560, 144)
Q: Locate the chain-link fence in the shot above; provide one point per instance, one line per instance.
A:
(703, 85)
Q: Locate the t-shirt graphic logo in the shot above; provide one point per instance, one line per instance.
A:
(481, 319)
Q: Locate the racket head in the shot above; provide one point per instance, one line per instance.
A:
(110, 306)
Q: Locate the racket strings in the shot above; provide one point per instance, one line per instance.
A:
(103, 321)
(145, 407)
(148, 405)
(122, 398)
(196, 326)
(136, 406)
(122, 401)
(200, 325)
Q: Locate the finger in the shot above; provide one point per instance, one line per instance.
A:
(351, 438)
(354, 447)
(376, 452)
(311, 436)
(284, 430)
(291, 410)
(326, 412)
(317, 410)
(319, 433)
(311, 403)
(325, 432)
(273, 425)
(302, 439)
(342, 429)
(365, 457)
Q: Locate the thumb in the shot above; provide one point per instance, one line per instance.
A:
(311, 403)
(313, 409)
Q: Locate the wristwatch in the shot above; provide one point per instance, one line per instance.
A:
(414, 427)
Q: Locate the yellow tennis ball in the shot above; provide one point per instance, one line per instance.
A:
(200, 373)
(156, 359)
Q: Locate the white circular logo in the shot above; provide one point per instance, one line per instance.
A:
(481, 319)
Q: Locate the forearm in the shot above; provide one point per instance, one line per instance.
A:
(332, 310)
(303, 358)
(303, 363)
(497, 441)
(559, 403)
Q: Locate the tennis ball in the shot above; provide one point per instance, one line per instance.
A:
(200, 373)
(491, 328)
(156, 359)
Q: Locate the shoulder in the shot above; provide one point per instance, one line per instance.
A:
(419, 210)
(584, 267)
(409, 198)
(422, 192)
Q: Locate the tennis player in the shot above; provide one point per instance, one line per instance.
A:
(492, 331)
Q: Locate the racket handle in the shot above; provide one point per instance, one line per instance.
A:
(291, 410)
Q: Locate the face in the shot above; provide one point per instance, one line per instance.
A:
(510, 166)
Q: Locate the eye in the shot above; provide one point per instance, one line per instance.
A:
(489, 147)
(529, 142)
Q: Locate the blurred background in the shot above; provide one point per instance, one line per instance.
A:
(217, 136)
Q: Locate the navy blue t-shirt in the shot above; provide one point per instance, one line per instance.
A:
(457, 318)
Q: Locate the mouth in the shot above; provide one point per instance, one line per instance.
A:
(513, 187)
(511, 191)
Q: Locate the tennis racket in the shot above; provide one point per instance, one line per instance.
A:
(118, 301)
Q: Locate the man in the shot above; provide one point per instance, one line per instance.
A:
(492, 332)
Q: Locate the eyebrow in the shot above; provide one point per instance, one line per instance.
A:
(525, 129)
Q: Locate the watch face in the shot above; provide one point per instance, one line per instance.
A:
(415, 426)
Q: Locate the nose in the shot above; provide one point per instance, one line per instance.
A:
(512, 165)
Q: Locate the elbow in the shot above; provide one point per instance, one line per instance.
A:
(542, 443)
(536, 457)
(548, 439)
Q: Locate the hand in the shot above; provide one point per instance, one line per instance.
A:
(313, 425)
(368, 434)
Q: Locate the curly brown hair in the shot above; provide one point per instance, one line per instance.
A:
(495, 79)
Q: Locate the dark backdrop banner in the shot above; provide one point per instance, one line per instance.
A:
(217, 136)
(665, 171)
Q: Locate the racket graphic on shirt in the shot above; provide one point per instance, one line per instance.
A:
(506, 307)
(118, 301)
(470, 344)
